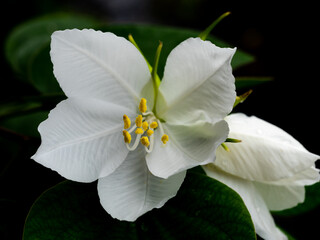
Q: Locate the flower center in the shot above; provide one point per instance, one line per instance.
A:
(145, 125)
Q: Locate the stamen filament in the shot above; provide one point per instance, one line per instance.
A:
(149, 150)
(135, 145)
(160, 127)
(132, 129)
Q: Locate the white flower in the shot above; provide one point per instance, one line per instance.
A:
(97, 133)
(268, 169)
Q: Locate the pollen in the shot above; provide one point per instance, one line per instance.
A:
(126, 122)
(143, 105)
(154, 125)
(139, 131)
(139, 121)
(127, 136)
(149, 132)
(145, 126)
(145, 141)
(165, 138)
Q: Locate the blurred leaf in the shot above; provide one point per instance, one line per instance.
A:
(41, 72)
(28, 39)
(17, 107)
(249, 82)
(25, 124)
(203, 209)
(27, 104)
(312, 200)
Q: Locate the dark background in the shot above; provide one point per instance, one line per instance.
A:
(282, 37)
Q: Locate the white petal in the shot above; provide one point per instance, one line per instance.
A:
(82, 139)
(132, 190)
(261, 217)
(197, 78)
(266, 153)
(278, 198)
(287, 193)
(89, 63)
(188, 146)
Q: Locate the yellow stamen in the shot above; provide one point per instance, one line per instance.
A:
(154, 125)
(165, 138)
(126, 122)
(145, 126)
(127, 136)
(139, 121)
(149, 132)
(145, 141)
(139, 131)
(143, 105)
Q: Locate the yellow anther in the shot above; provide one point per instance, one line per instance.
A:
(165, 138)
(139, 121)
(145, 126)
(145, 141)
(149, 132)
(143, 105)
(154, 125)
(127, 136)
(139, 131)
(126, 122)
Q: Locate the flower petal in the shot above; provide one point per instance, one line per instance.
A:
(132, 190)
(307, 177)
(261, 217)
(188, 146)
(278, 197)
(89, 63)
(287, 193)
(82, 139)
(197, 78)
(266, 153)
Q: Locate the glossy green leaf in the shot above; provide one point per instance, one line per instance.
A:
(203, 209)
(312, 200)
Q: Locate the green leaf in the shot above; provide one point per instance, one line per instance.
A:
(312, 200)
(25, 124)
(41, 72)
(148, 37)
(249, 82)
(203, 209)
(29, 39)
